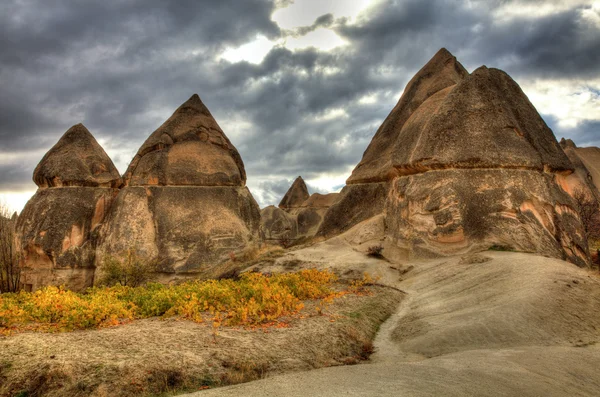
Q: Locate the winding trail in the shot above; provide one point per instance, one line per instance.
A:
(501, 324)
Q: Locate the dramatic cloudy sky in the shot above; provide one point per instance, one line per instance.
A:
(299, 86)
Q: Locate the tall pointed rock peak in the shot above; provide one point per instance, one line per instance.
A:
(76, 160)
(189, 149)
(435, 79)
(194, 104)
(296, 195)
(485, 121)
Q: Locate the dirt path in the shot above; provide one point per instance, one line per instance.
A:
(497, 324)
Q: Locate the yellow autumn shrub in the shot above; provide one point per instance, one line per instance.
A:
(253, 299)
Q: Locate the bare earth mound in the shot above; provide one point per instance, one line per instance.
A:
(488, 324)
(152, 357)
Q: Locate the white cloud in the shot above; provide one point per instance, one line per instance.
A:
(368, 99)
(571, 102)
(322, 39)
(15, 201)
(325, 183)
(253, 52)
(520, 9)
(331, 114)
(305, 12)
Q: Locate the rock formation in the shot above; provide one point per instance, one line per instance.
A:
(295, 196)
(278, 226)
(587, 165)
(298, 216)
(184, 202)
(55, 231)
(463, 163)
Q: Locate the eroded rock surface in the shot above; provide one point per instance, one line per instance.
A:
(298, 216)
(185, 203)
(584, 178)
(76, 160)
(56, 229)
(296, 195)
(464, 162)
(189, 149)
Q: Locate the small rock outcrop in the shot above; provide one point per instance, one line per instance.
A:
(463, 163)
(184, 202)
(77, 182)
(586, 161)
(278, 226)
(295, 196)
(298, 215)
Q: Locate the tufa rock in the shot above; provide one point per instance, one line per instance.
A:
(590, 156)
(76, 160)
(189, 149)
(299, 214)
(464, 162)
(296, 195)
(55, 231)
(586, 161)
(184, 204)
(441, 72)
(277, 226)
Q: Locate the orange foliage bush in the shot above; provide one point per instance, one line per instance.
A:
(253, 299)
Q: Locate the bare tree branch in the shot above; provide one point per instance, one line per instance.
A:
(10, 271)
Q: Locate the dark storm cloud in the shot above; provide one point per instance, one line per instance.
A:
(106, 62)
(13, 177)
(122, 68)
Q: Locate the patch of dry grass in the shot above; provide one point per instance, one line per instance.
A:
(166, 356)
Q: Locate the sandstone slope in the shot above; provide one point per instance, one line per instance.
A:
(586, 161)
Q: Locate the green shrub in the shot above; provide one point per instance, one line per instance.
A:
(132, 270)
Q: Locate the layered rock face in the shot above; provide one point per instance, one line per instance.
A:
(587, 166)
(184, 202)
(464, 162)
(77, 182)
(590, 157)
(298, 215)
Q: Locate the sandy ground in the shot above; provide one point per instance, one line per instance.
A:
(495, 323)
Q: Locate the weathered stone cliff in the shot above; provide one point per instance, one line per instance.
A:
(464, 162)
(55, 232)
(184, 203)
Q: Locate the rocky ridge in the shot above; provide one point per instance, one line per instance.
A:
(463, 163)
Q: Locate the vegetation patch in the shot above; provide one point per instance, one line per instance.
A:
(253, 299)
(165, 356)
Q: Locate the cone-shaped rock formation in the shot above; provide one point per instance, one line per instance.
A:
(55, 231)
(184, 203)
(189, 149)
(464, 162)
(298, 216)
(76, 160)
(296, 195)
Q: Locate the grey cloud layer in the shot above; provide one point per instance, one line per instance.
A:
(122, 68)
